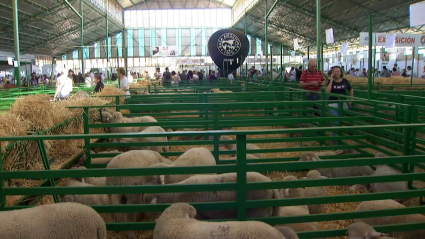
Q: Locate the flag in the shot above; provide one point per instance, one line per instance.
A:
(329, 36)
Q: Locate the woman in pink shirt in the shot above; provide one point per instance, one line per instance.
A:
(395, 72)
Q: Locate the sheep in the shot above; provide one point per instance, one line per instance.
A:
(334, 153)
(80, 95)
(338, 172)
(217, 196)
(248, 147)
(53, 221)
(315, 192)
(361, 230)
(295, 210)
(132, 159)
(95, 199)
(100, 181)
(287, 232)
(391, 204)
(248, 156)
(117, 117)
(199, 156)
(83, 161)
(382, 170)
(178, 222)
(152, 129)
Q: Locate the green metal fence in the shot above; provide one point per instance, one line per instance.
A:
(241, 186)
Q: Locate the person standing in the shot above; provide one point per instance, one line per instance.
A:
(167, 77)
(409, 71)
(91, 75)
(395, 72)
(201, 76)
(385, 72)
(231, 77)
(99, 84)
(124, 83)
(292, 74)
(312, 80)
(339, 86)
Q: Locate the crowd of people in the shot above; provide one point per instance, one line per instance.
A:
(395, 71)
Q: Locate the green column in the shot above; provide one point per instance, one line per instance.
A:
(281, 62)
(246, 60)
(26, 71)
(16, 40)
(413, 65)
(266, 39)
(308, 53)
(52, 75)
(318, 36)
(271, 62)
(107, 42)
(82, 38)
(124, 51)
(370, 88)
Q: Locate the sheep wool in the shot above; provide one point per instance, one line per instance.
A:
(152, 129)
(391, 204)
(132, 159)
(199, 156)
(248, 147)
(338, 172)
(315, 192)
(218, 196)
(287, 232)
(53, 221)
(382, 170)
(177, 222)
(361, 230)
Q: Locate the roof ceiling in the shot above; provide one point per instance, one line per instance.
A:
(50, 27)
(296, 19)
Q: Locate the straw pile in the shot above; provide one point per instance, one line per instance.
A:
(12, 125)
(111, 91)
(394, 80)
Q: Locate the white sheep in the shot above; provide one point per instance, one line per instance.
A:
(338, 172)
(248, 156)
(361, 230)
(117, 117)
(95, 199)
(148, 130)
(83, 162)
(100, 181)
(315, 192)
(295, 210)
(132, 159)
(80, 95)
(248, 147)
(199, 156)
(287, 232)
(382, 170)
(53, 221)
(218, 196)
(388, 220)
(178, 222)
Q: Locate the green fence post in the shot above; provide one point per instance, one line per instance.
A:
(241, 176)
(216, 116)
(407, 139)
(341, 114)
(2, 195)
(117, 102)
(87, 141)
(46, 163)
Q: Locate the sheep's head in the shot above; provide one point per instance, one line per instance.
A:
(291, 192)
(308, 157)
(79, 167)
(362, 230)
(227, 146)
(314, 174)
(106, 116)
(179, 210)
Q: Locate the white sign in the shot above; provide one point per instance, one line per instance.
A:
(296, 46)
(165, 51)
(10, 61)
(416, 14)
(390, 41)
(329, 36)
(401, 40)
(15, 63)
(345, 48)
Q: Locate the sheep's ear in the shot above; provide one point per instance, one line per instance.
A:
(378, 234)
(186, 215)
(107, 119)
(287, 191)
(162, 179)
(154, 201)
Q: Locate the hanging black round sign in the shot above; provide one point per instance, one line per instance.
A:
(228, 49)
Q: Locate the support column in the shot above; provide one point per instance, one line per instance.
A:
(266, 39)
(107, 42)
(370, 88)
(413, 65)
(281, 62)
(125, 51)
(308, 53)
(82, 39)
(271, 62)
(318, 34)
(246, 60)
(16, 40)
(52, 75)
